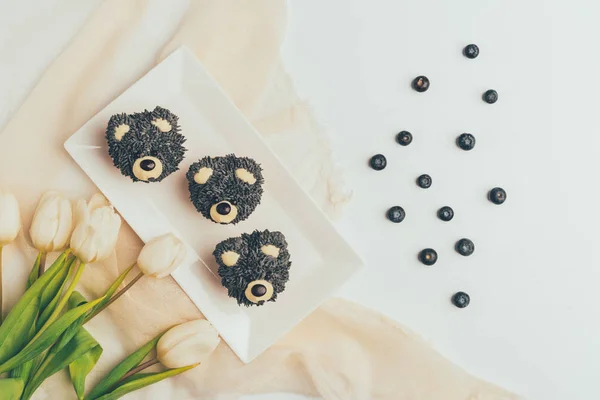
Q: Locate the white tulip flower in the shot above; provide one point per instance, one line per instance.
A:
(161, 256)
(10, 218)
(52, 223)
(188, 344)
(96, 230)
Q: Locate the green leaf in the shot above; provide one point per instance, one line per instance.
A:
(57, 283)
(35, 271)
(81, 343)
(80, 368)
(53, 293)
(135, 377)
(18, 337)
(75, 342)
(23, 370)
(76, 300)
(11, 389)
(141, 382)
(132, 361)
(78, 270)
(48, 337)
(9, 348)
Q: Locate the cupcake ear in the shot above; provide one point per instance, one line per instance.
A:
(118, 126)
(162, 124)
(164, 120)
(120, 131)
(246, 176)
(203, 175)
(230, 258)
(270, 250)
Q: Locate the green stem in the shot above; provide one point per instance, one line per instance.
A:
(139, 368)
(42, 263)
(1, 294)
(116, 296)
(63, 300)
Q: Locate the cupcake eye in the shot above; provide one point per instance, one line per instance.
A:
(230, 258)
(162, 124)
(120, 131)
(270, 250)
(245, 176)
(147, 168)
(202, 176)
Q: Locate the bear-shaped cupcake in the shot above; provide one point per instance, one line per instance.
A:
(226, 189)
(254, 267)
(146, 146)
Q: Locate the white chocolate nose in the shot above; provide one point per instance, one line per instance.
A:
(223, 212)
(259, 290)
(146, 168)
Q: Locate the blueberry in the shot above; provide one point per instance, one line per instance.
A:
(223, 208)
(147, 165)
(424, 181)
(404, 138)
(396, 214)
(465, 247)
(466, 141)
(378, 162)
(497, 195)
(445, 213)
(471, 51)
(258, 290)
(490, 96)
(420, 83)
(461, 299)
(428, 256)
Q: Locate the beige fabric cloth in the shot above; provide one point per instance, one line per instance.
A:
(341, 351)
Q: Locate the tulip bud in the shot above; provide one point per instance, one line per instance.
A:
(96, 230)
(187, 344)
(161, 256)
(52, 223)
(10, 218)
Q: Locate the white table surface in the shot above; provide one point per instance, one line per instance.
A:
(534, 322)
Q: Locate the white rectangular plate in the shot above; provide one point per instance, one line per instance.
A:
(321, 260)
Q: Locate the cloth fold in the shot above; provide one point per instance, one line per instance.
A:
(342, 350)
